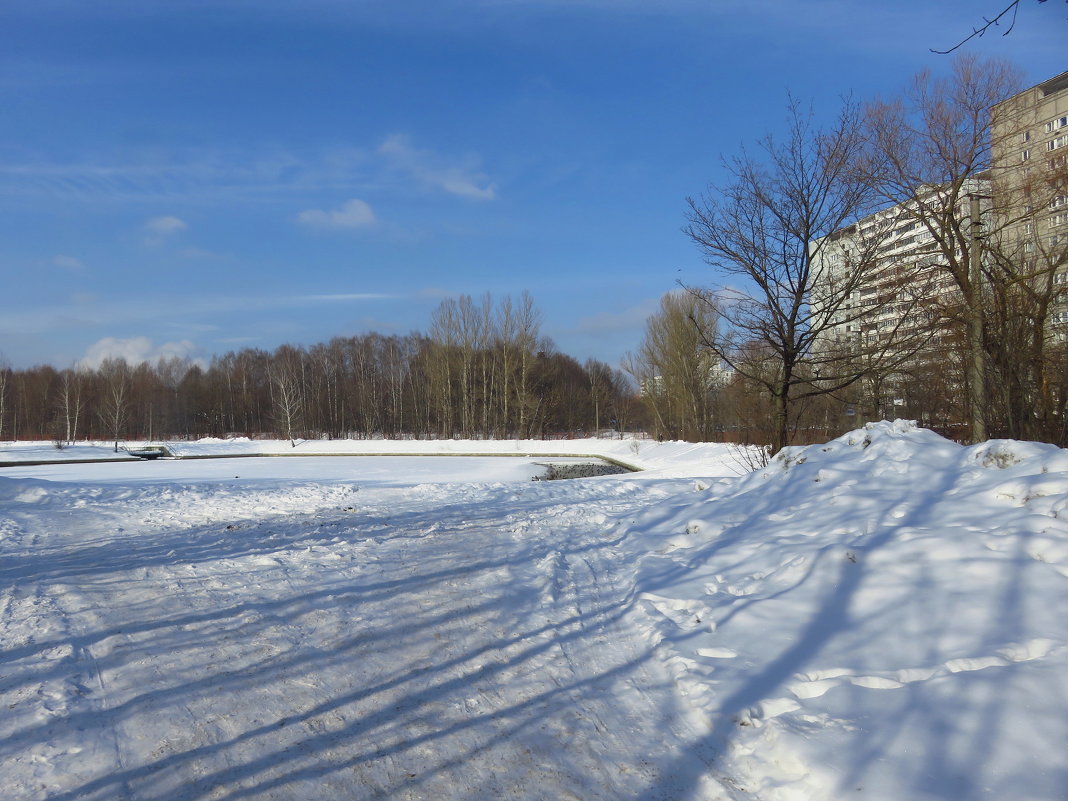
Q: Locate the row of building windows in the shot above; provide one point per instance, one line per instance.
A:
(1053, 144)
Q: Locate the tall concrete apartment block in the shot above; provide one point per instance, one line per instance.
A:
(1024, 195)
(1029, 151)
(899, 295)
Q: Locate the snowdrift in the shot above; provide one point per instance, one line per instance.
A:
(884, 617)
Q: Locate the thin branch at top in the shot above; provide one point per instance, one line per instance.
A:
(1014, 7)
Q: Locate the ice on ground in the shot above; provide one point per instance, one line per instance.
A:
(883, 616)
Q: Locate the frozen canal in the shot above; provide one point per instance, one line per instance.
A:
(394, 471)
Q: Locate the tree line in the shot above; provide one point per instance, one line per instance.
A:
(482, 370)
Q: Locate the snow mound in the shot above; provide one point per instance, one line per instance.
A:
(881, 616)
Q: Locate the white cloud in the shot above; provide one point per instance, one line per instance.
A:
(353, 214)
(165, 225)
(135, 350)
(463, 180)
(69, 263)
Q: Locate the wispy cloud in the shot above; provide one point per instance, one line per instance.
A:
(352, 215)
(159, 230)
(257, 175)
(69, 263)
(165, 225)
(200, 253)
(212, 174)
(93, 312)
(608, 323)
(344, 298)
(464, 180)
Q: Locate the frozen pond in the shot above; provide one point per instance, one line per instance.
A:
(386, 471)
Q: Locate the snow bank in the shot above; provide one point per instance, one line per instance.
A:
(880, 617)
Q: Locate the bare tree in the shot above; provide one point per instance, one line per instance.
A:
(774, 228)
(934, 149)
(1025, 244)
(5, 374)
(679, 376)
(114, 409)
(600, 378)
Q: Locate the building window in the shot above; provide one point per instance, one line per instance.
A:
(1025, 154)
(1026, 137)
(1057, 124)
(1060, 317)
(1058, 201)
(1060, 278)
(1059, 142)
(1058, 219)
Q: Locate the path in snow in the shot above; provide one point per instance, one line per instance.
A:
(194, 642)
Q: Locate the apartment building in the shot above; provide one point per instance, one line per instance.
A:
(1029, 143)
(1022, 201)
(883, 270)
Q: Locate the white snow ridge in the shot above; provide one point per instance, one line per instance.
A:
(884, 616)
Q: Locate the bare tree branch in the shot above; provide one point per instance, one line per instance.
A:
(978, 32)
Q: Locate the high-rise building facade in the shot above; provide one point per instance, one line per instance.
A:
(1029, 149)
(1022, 205)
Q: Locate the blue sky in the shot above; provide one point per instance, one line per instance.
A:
(191, 177)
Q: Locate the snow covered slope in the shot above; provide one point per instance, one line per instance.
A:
(881, 617)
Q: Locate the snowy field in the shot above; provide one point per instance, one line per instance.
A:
(395, 471)
(881, 617)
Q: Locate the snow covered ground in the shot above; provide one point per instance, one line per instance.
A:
(636, 454)
(881, 617)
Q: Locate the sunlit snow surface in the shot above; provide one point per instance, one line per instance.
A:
(396, 471)
(881, 617)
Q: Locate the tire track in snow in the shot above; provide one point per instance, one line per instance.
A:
(400, 648)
